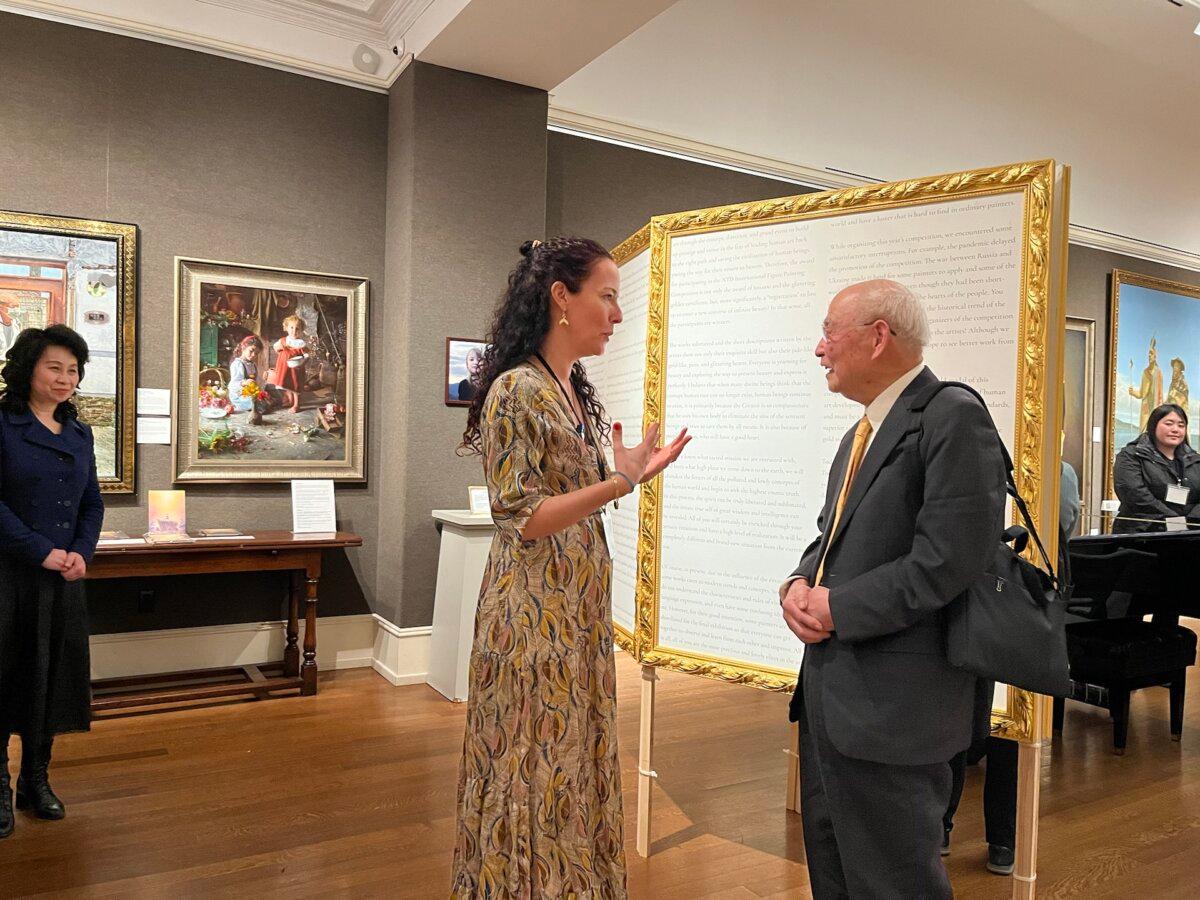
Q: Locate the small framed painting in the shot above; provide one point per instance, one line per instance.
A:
(464, 357)
(478, 500)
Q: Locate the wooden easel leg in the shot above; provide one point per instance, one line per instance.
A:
(645, 773)
(793, 776)
(1029, 782)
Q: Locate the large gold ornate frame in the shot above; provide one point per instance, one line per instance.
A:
(125, 237)
(1044, 187)
(636, 243)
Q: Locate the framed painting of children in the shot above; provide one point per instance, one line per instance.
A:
(270, 373)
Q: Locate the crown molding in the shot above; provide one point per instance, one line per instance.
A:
(323, 20)
(362, 6)
(1128, 246)
(400, 17)
(406, 60)
(638, 138)
(57, 12)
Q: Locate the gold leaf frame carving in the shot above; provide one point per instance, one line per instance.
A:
(1087, 328)
(623, 253)
(125, 236)
(1035, 456)
(187, 467)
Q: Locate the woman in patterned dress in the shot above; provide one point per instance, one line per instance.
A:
(539, 793)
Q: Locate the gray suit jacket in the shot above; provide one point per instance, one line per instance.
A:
(922, 520)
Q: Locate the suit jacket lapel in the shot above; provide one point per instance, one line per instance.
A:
(899, 421)
(74, 437)
(36, 433)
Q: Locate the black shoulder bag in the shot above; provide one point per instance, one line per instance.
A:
(1008, 625)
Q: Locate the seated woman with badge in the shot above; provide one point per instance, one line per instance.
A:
(1157, 476)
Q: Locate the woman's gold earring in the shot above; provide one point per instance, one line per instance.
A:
(563, 319)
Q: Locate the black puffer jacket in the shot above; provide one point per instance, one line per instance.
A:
(1142, 475)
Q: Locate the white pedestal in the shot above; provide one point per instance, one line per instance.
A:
(466, 539)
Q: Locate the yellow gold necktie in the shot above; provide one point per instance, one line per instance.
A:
(857, 451)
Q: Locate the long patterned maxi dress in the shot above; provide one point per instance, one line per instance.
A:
(539, 791)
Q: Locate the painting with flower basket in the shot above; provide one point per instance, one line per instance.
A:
(270, 373)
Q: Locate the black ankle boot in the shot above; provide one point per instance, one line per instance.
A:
(6, 803)
(33, 785)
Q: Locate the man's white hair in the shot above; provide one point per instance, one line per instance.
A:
(882, 298)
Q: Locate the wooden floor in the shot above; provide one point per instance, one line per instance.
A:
(351, 793)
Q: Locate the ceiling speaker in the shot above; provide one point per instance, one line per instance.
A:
(366, 60)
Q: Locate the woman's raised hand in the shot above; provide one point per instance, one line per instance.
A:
(643, 462)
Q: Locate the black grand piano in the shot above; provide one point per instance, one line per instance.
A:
(1119, 579)
(1171, 588)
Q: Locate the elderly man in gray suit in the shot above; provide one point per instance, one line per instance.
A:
(913, 513)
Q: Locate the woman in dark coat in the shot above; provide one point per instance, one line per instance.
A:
(1157, 475)
(50, 518)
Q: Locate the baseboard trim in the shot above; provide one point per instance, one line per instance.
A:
(401, 655)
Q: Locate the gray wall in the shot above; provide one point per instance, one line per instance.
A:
(606, 192)
(427, 192)
(1088, 274)
(468, 185)
(215, 159)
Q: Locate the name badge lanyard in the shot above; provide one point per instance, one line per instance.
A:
(581, 427)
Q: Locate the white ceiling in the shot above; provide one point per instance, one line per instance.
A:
(312, 37)
(536, 42)
(533, 42)
(373, 18)
(894, 90)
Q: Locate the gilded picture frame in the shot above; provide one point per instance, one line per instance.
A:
(1079, 367)
(82, 273)
(463, 356)
(1044, 187)
(270, 373)
(1149, 319)
(636, 243)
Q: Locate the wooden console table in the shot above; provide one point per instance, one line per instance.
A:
(256, 551)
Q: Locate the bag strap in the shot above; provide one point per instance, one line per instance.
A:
(923, 399)
(1017, 536)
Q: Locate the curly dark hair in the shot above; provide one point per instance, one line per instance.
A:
(23, 358)
(522, 320)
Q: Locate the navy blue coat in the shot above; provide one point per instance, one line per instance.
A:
(49, 494)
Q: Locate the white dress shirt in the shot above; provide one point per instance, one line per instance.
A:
(878, 409)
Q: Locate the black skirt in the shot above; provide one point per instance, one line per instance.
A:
(45, 662)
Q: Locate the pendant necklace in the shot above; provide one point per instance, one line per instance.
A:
(584, 433)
